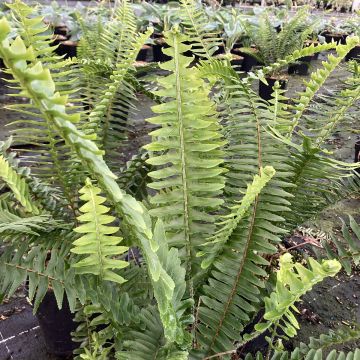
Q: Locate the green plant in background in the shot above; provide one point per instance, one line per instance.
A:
(272, 45)
(231, 175)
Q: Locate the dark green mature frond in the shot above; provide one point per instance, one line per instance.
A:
(318, 182)
(133, 178)
(194, 22)
(148, 342)
(109, 308)
(108, 118)
(12, 225)
(187, 152)
(231, 295)
(41, 269)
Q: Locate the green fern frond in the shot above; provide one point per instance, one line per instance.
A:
(333, 109)
(187, 151)
(11, 224)
(230, 221)
(115, 101)
(347, 249)
(318, 181)
(134, 177)
(319, 77)
(98, 241)
(43, 266)
(311, 355)
(147, 342)
(316, 346)
(293, 281)
(18, 186)
(231, 293)
(194, 21)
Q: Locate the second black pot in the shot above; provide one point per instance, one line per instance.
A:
(353, 54)
(302, 67)
(265, 91)
(56, 325)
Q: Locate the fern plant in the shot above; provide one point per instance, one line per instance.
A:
(272, 46)
(231, 175)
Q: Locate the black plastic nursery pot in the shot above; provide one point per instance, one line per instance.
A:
(56, 325)
(143, 53)
(67, 48)
(302, 67)
(265, 91)
(357, 152)
(353, 54)
(158, 54)
(248, 62)
(61, 30)
(338, 38)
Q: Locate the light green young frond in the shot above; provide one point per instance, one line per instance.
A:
(98, 241)
(17, 185)
(293, 281)
(230, 221)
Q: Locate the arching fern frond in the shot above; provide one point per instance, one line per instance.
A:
(11, 224)
(43, 266)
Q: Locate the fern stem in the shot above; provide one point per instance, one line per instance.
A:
(34, 271)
